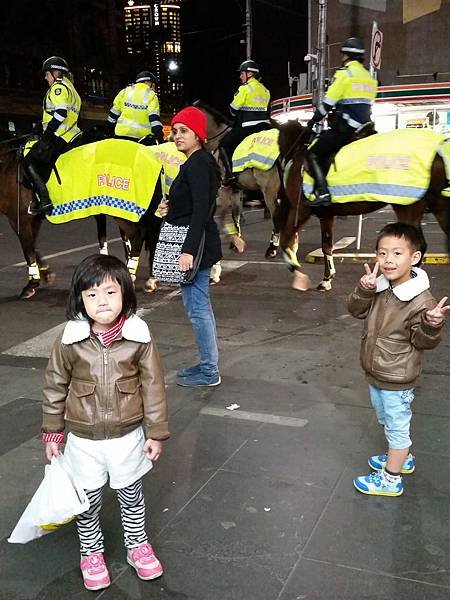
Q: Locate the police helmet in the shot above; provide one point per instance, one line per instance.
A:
(353, 45)
(146, 76)
(249, 65)
(55, 63)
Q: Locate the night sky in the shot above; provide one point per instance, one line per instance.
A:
(31, 30)
(211, 56)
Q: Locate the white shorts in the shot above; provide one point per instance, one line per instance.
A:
(122, 459)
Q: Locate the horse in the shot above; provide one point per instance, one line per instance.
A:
(295, 210)
(15, 199)
(268, 182)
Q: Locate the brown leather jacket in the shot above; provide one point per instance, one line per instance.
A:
(395, 330)
(99, 392)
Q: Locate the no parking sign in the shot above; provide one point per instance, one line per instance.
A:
(375, 49)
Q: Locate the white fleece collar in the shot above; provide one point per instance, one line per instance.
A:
(134, 329)
(418, 283)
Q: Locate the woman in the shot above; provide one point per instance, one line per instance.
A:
(191, 200)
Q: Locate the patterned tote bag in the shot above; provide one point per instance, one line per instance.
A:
(167, 253)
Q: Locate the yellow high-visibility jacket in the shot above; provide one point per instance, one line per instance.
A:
(250, 104)
(61, 108)
(352, 92)
(135, 111)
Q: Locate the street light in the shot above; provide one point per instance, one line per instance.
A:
(172, 66)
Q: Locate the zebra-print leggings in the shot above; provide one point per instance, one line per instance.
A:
(132, 511)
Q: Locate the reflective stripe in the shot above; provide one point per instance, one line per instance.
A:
(132, 264)
(351, 122)
(265, 160)
(355, 101)
(380, 189)
(33, 271)
(251, 123)
(134, 124)
(114, 110)
(156, 123)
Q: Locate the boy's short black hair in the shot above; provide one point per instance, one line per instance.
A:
(398, 230)
(92, 271)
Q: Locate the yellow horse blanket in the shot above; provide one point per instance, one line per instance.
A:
(258, 150)
(113, 177)
(392, 167)
(171, 160)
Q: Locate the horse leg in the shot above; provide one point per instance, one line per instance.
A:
(152, 229)
(100, 221)
(269, 184)
(326, 228)
(289, 246)
(27, 242)
(229, 214)
(45, 272)
(134, 234)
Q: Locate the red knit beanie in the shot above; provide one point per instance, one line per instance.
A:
(193, 118)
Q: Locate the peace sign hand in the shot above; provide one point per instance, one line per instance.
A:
(437, 314)
(369, 280)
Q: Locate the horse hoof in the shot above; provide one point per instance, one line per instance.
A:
(271, 251)
(48, 276)
(150, 285)
(301, 281)
(324, 286)
(216, 271)
(237, 244)
(28, 291)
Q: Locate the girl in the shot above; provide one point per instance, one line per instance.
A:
(105, 388)
(191, 197)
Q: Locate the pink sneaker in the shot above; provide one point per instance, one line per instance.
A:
(143, 559)
(95, 573)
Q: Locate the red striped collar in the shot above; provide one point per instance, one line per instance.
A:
(107, 337)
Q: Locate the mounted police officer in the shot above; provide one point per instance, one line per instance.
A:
(135, 112)
(250, 108)
(61, 108)
(351, 95)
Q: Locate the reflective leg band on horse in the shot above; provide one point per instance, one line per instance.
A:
(132, 266)
(275, 239)
(330, 270)
(290, 258)
(33, 272)
(231, 229)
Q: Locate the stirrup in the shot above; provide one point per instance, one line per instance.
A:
(229, 180)
(36, 208)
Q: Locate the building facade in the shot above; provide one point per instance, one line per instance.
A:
(414, 73)
(153, 40)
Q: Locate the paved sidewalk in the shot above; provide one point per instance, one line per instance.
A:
(255, 503)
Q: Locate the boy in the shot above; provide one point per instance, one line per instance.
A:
(401, 320)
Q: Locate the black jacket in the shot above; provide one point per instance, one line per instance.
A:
(191, 197)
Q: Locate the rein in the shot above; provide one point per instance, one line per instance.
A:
(294, 146)
(218, 134)
(15, 139)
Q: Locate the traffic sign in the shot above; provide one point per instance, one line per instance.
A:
(375, 49)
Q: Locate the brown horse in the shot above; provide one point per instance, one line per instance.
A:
(295, 210)
(269, 182)
(15, 199)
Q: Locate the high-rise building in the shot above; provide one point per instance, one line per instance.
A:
(153, 40)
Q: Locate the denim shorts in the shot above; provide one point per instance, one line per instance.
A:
(393, 410)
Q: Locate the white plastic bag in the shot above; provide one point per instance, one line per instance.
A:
(56, 501)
